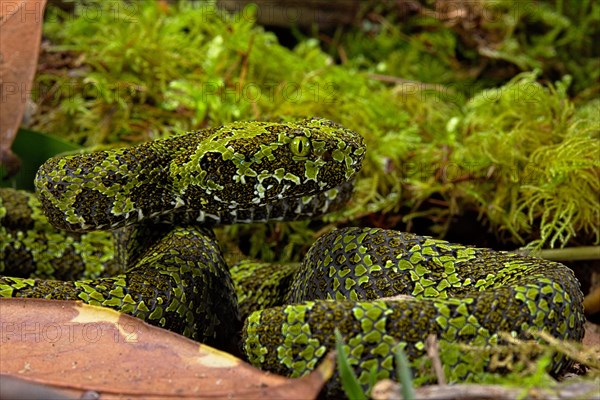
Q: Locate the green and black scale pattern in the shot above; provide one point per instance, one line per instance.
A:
(160, 200)
(460, 294)
(30, 246)
(243, 172)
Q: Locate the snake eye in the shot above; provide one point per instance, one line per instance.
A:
(300, 146)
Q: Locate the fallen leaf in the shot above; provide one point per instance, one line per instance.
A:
(20, 35)
(76, 348)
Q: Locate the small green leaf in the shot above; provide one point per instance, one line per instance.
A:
(33, 148)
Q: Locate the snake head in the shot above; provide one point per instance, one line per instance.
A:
(249, 166)
(252, 164)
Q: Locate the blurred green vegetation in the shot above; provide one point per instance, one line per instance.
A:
(490, 111)
(470, 45)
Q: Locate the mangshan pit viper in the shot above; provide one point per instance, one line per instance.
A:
(130, 229)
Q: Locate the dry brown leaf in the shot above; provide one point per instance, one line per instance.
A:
(20, 35)
(75, 348)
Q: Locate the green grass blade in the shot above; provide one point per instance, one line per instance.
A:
(404, 375)
(350, 383)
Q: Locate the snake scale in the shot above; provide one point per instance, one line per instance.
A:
(144, 215)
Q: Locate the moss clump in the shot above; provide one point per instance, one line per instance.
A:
(539, 161)
(522, 155)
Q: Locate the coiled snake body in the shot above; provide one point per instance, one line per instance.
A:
(160, 199)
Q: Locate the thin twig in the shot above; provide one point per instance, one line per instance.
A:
(431, 344)
(564, 254)
(400, 81)
(389, 390)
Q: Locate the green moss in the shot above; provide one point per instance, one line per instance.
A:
(468, 46)
(537, 161)
(522, 155)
